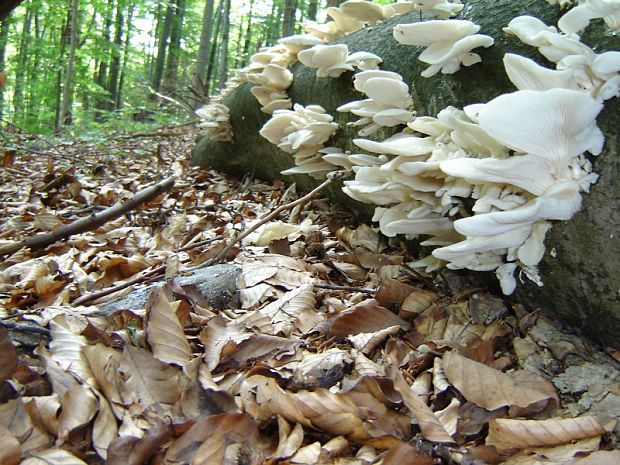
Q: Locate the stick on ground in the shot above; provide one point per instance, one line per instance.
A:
(91, 222)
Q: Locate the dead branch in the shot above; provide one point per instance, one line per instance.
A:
(289, 206)
(24, 328)
(335, 287)
(91, 222)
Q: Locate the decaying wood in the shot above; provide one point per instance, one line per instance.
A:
(91, 222)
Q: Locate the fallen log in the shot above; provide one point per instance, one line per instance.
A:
(581, 265)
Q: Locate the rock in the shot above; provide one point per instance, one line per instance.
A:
(581, 276)
(216, 284)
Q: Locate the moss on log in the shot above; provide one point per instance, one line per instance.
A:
(582, 275)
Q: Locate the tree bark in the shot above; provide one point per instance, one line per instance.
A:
(200, 84)
(162, 47)
(22, 60)
(174, 48)
(223, 66)
(115, 59)
(4, 34)
(288, 21)
(66, 116)
(581, 276)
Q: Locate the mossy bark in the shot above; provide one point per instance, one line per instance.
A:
(582, 275)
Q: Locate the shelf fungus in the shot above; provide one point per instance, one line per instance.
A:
(216, 120)
(389, 103)
(333, 60)
(302, 133)
(449, 43)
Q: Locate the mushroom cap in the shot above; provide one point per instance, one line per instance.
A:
(529, 30)
(299, 42)
(578, 18)
(323, 56)
(359, 80)
(606, 65)
(392, 117)
(344, 24)
(362, 10)
(527, 74)
(277, 104)
(364, 60)
(399, 144)
(445, 51)
(276, 76)
(527, 172)
(427, 32)
(556, 124)
(400, 8)
(388, 91)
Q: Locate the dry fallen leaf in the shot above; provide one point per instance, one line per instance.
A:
(507, 434)
(8, 356)
(10, 452)
(491, 389)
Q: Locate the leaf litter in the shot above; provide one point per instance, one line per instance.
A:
(330, 350)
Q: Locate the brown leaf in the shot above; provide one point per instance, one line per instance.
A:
(130, 450)
(491, 389)
(105, 427)
(366, 317)
(8, 356)
(212, 439)
(430, 424)
(164, 332)
(53, 457)
(416, 302)
(79, 406)
(507, 434)
(15, 418)
(66, 349)
(146, 380)
(10, 452)
(403, 453)
(393, 292)
(104, 363)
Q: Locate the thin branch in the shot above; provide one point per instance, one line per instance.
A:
(335, 287)
(269, 217)
(91, 222)
(24, 328)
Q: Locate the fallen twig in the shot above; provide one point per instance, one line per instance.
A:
(91, 222)
(335, 287)
(24, 328)
(268, 218)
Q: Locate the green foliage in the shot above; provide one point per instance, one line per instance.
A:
(37, 48)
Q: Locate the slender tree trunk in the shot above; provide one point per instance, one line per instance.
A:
(333, 3)
(238, 57)
(313, 7)
(248, 36)
(66, 118)
(115, 58)
(4, 34)
(212, 55)
(22, 60)
(223, 70)
(288, 22)
(200, 84)
(121, 81)
(162, 46)
(174, 48)
(6, 6)
(101, 77)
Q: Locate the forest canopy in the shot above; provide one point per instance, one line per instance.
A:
(77, 64)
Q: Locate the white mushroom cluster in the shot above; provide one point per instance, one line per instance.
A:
(216, 120)
(440, 8)
(449, 43)
(302, 133)
(578, 17)
(389, 103)
(578, 67)
(333, 60)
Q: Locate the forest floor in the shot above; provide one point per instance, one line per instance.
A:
(319, 345)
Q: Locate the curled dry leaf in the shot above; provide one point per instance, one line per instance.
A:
(164, 332)
(15, 418)
(491, 389)
(214, 438)
(131, 450)
(105, 428)
(290, 440)
(53, 457)
(104, 363)
(10, 452)
(147, 381)
(430, 424)
(366, 317)
(403, 453)
(79, 406)
(507, 434)
(359, 417)
(66, 350)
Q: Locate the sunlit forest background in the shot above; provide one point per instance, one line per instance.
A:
(77, 66)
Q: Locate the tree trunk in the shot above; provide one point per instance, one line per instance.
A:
(22, 60)
(4, 34)
(101, 77)
(288, 21)
(66, 116)
(174, 48)
(115, 58)
(121, 82)
(162, 47)
(313, 7)
(211, 66)
(248, 38)
(581, 276)
(223, 66)
(200, 83)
